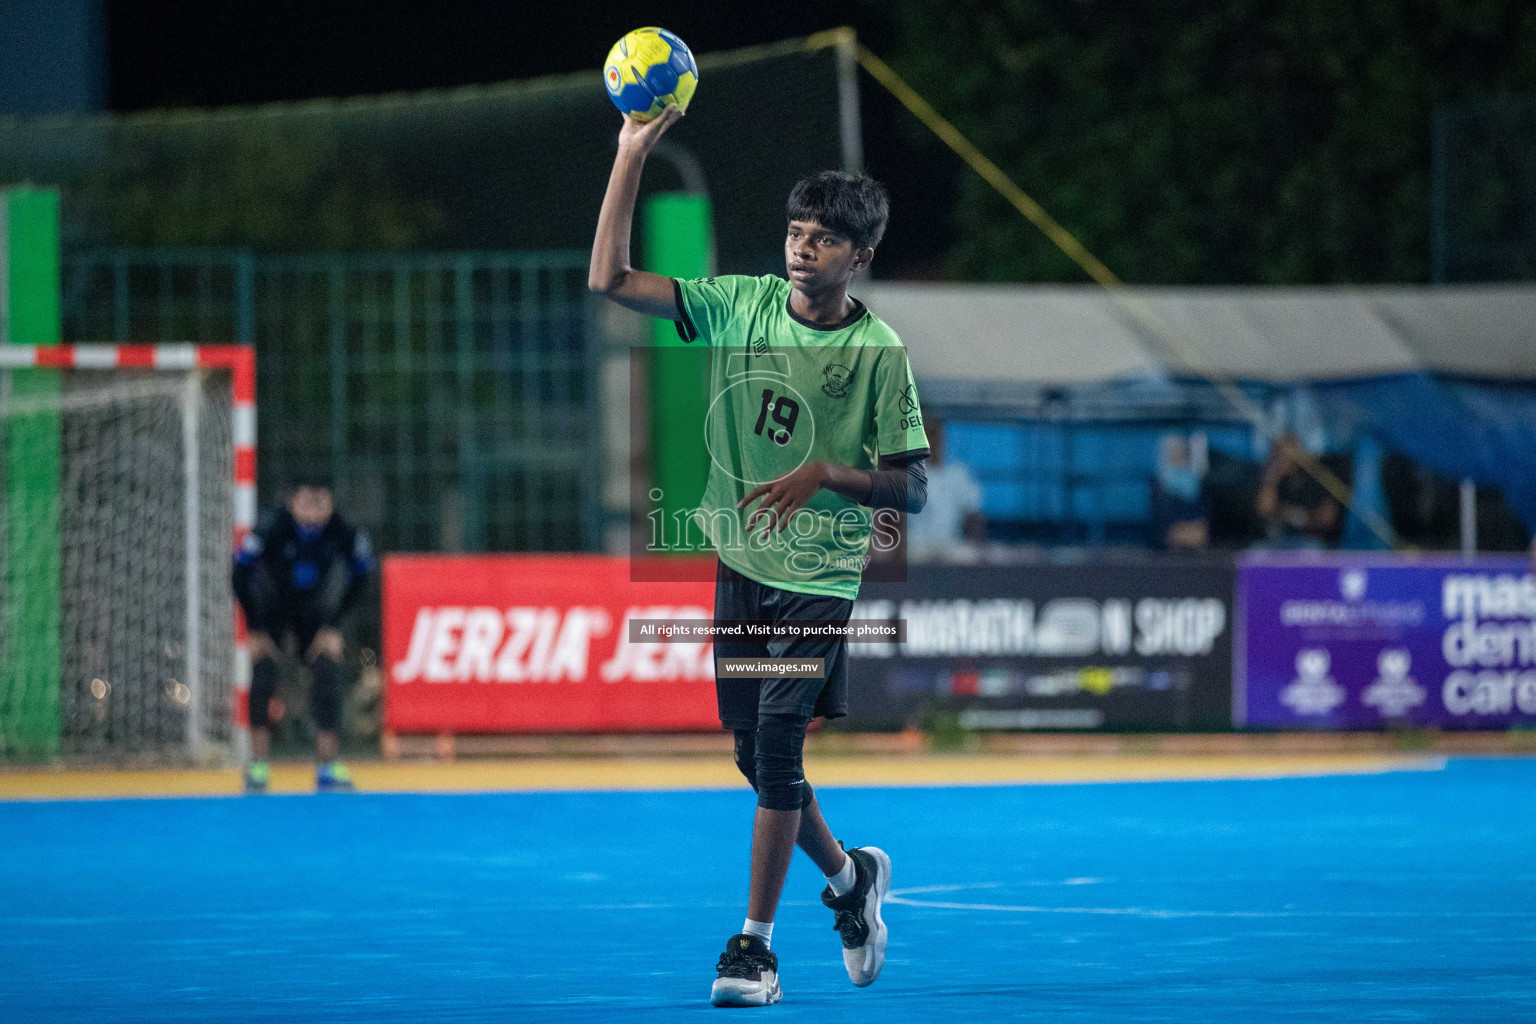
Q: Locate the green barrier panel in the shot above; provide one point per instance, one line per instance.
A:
(29, 598)
(677, 244)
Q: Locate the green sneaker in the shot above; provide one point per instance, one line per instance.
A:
(257, 775)
(333, 778)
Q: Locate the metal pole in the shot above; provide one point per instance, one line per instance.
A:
(337, 283)
(245, 298)
(1439, 254)
(31, 544)
(677, 232)
(1468, 519)
(849, 125)
(191, 406)
(472, 532)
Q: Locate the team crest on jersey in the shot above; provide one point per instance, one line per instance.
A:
(839, 377)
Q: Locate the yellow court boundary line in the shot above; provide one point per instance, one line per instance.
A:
(697, 773)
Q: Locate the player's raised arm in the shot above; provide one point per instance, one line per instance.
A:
(611, 274)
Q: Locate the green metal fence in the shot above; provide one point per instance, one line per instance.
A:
(1483, 190)
(452, 397)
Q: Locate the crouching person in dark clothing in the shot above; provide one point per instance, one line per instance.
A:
(299, 573)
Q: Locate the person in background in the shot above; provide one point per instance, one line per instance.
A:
(953, 513)
(298, 573)
(1181, 516)
(1296, 511)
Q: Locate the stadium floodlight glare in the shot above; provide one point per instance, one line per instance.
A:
(156, 478)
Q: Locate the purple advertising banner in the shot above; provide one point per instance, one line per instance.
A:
(1365, 642)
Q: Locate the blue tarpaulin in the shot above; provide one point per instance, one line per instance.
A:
(1461, 429)
(1446, 375)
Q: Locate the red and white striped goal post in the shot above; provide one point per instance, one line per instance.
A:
(240, 361)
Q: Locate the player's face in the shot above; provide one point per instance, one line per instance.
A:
(311, 506)
(818, 259)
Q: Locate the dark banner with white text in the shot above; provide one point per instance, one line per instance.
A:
(1075, 647)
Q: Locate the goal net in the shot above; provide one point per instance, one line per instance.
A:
(121, 468)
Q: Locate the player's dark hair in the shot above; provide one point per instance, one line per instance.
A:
(312, 479)
(854, 205)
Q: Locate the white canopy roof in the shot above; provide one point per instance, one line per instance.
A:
(1037, 335)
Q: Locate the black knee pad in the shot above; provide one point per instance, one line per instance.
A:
(325, 693)
(746, 755)
(780, 743)
(263, 689)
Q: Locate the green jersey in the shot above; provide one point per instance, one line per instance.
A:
(784, 392)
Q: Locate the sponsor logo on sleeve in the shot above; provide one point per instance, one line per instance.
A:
(911, 414)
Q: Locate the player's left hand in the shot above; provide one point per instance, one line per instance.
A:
(783, 497)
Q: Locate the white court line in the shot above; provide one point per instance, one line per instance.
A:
(1257, 914)
(987, 885)
(900, 897)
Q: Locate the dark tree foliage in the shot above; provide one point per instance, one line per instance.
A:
(1242, 141)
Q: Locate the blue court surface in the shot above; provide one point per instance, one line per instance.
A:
(1398, 897)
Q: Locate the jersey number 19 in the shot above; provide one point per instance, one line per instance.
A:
(785, 412)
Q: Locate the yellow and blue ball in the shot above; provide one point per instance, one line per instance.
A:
(647, 70)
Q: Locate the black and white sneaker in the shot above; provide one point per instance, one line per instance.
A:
(858, 914)
(747, 974)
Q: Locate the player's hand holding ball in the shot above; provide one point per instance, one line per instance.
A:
(651, 76)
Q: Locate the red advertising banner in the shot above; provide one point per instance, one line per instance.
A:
(539, 643)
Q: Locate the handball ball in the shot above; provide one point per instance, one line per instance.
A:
(648, 69)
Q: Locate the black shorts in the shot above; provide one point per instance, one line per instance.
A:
(740, 700)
